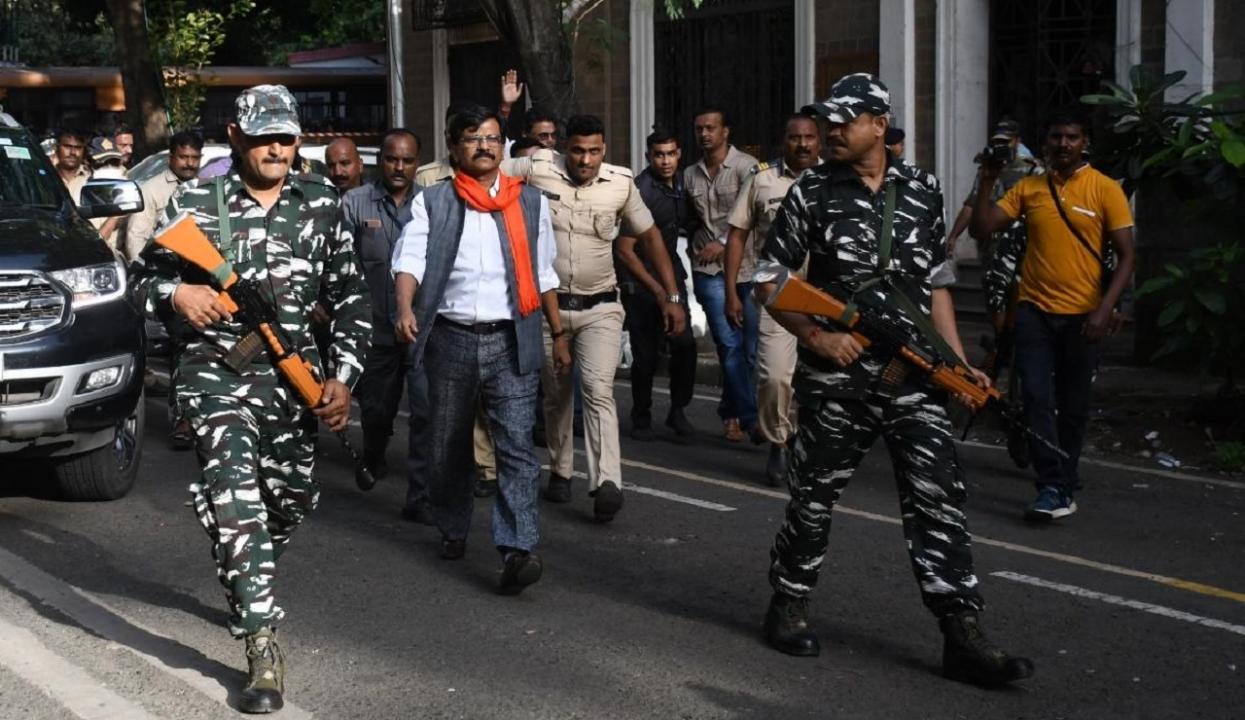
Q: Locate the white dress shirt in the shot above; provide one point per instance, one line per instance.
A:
(478, 290)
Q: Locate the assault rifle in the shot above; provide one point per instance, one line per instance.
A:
(245, 300)
(795, 295)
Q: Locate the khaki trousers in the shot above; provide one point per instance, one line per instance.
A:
(596, 338)
(485, 456)
(776, 354)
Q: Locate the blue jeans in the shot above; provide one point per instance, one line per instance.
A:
(465, 370)
(1056, 365)
(737, 347)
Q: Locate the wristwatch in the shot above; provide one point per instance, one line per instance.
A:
(674, 298)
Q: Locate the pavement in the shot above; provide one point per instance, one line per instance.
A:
(1133, 608)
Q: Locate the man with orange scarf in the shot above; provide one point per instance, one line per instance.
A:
(471, 270)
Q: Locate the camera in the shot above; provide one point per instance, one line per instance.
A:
(997, 152)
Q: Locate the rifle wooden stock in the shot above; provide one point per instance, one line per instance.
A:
(798, 296)
(184, 238)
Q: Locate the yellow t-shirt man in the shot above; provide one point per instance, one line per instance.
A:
(1059, 275)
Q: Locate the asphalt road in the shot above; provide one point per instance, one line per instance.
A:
(1133, 609)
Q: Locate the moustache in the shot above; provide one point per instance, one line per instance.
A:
(483, 153)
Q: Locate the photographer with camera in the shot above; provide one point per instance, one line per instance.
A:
(1003, 147)
(1074, 218)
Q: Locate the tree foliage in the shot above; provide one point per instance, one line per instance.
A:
(54, 32)
(185, 38)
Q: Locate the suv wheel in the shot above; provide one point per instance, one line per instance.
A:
(108, 472)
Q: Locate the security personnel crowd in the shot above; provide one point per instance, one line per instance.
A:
(510, 269)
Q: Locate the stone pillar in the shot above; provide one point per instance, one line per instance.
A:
(1191, 46)
(963, 93)
(897, 65)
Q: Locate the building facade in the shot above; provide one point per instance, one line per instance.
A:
(953, 66)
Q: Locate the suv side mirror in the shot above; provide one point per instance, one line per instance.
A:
(106, 197)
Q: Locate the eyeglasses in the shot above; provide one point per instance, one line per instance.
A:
(481, 140)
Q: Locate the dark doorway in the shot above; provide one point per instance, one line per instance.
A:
(1045, 54)
(738, 54)
(476, 70)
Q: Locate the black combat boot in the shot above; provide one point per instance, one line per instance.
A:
(262, 693)
(969, 657)
(786, 626)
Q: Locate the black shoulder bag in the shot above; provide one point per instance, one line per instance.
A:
(1107, 271)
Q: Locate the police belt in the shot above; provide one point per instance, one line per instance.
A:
(570, 301)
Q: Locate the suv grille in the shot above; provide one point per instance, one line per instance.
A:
(29, 304)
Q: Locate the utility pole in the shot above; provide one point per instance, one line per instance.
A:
(396, 25)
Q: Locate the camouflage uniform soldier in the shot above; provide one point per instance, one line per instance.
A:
(285, 232)
(834, 217)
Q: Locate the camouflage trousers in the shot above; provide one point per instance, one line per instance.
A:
(831, 440)
(255, 489)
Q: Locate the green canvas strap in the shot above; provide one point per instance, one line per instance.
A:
(224, 226)
(925, 328)
(888, 231)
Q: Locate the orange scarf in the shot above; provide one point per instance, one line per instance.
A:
(507, 202)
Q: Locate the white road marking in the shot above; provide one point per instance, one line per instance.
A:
(71, 686)
(1171, 475)
(1191, 586)
(1156, 472)
(1121, 601)
(697, 502)
(678, 498)
(160, 651)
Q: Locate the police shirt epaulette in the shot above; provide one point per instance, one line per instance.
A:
(766, 165)
(618, 170)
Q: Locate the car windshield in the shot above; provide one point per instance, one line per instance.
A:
(26, 176)
(150, 167)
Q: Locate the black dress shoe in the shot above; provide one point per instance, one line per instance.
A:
(558, 490)
(786, 627)
(377, 468)
(642, 432)
(485, 488)
(418, 512)
(969, 657)
(776, 466)
(453, 549)
(678, 422)
(608, 500)
(518, 570)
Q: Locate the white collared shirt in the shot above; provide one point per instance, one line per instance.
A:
(478, 290)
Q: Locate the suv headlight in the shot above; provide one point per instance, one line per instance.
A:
(93, 284)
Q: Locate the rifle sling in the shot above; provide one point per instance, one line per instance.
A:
(925, 328)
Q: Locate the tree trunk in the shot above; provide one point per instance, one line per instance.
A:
(534, 28)
(144, 99)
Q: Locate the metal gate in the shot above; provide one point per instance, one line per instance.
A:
(1044, 55)
(738, 54)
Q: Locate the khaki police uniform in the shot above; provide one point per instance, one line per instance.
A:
(759, 197)
(586, 220)
(434, 172)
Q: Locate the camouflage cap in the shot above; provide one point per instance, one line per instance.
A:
(852, 95)
(267, 110)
